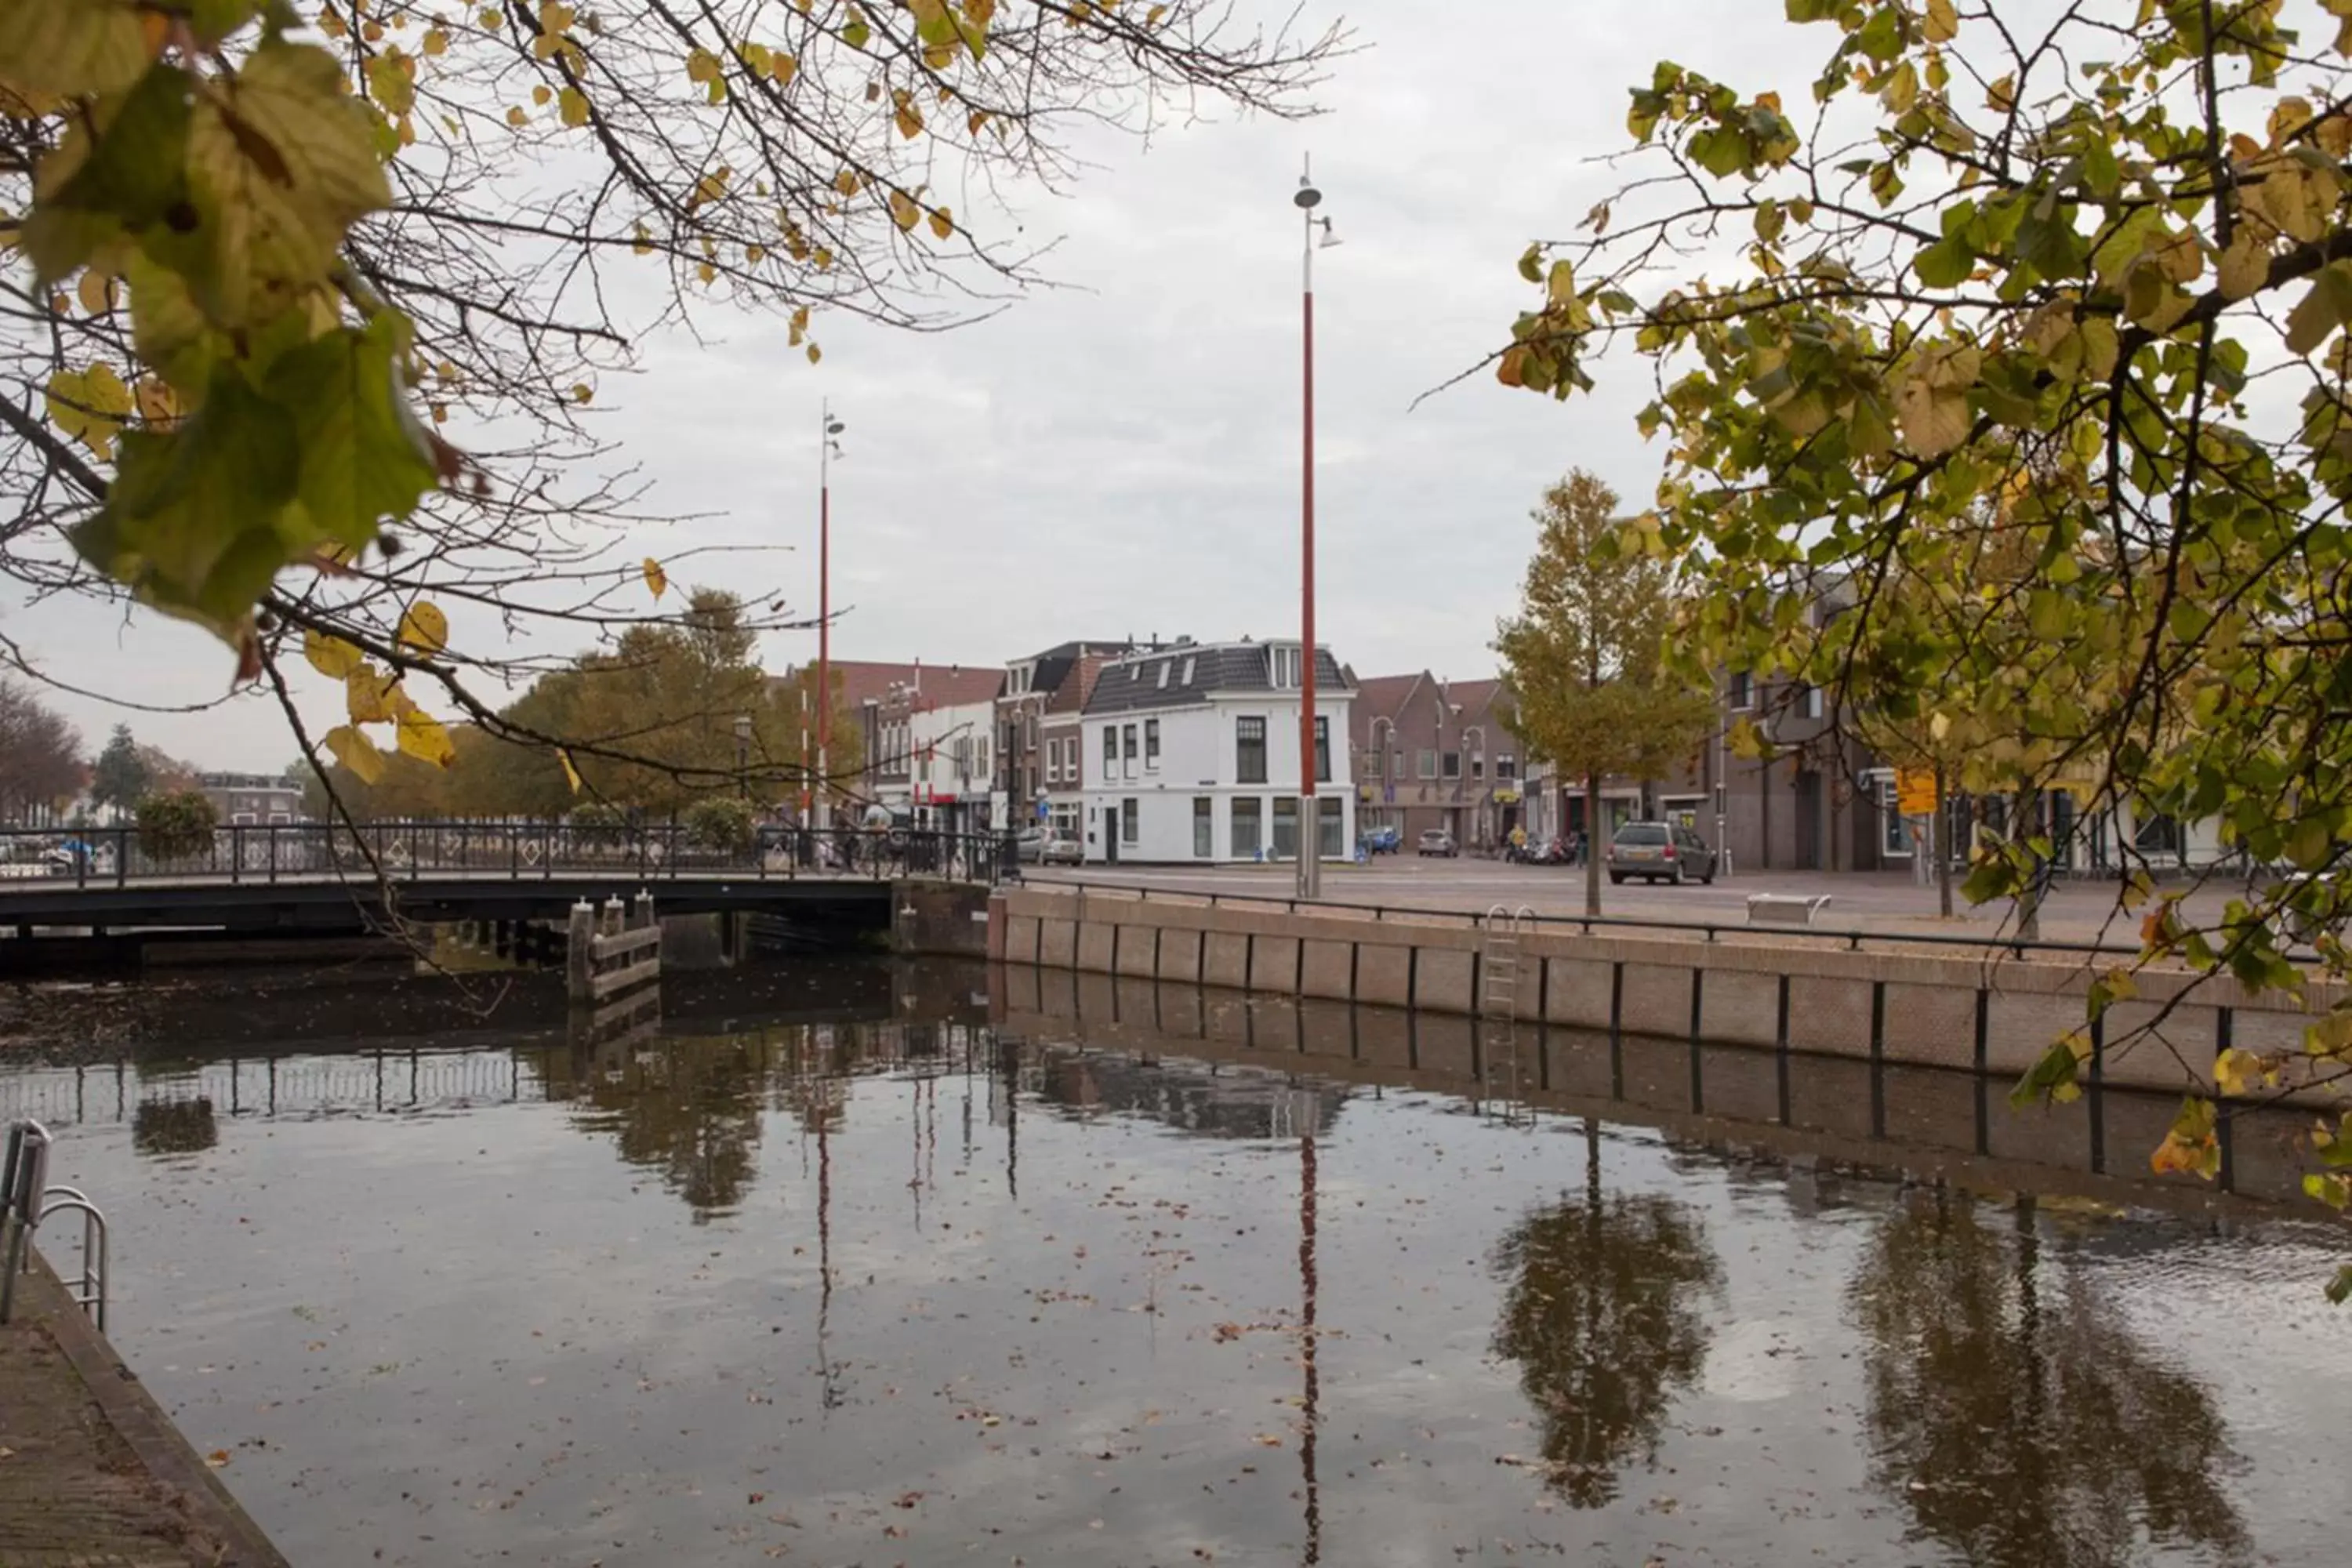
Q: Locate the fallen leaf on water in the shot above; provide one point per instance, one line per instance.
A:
(218, 1458)
(909, 1499)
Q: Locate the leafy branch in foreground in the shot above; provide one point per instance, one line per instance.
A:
(277, 258)
(2027, 345)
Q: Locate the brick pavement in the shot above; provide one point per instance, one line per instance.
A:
(92, 1473)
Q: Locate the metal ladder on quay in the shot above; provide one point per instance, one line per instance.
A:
(1503, 1086)
(26, 1200)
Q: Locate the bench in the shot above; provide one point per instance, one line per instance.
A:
(1785, 908)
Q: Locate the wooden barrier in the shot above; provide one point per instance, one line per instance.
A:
(614, 950)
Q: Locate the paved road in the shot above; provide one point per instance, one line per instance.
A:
(1869, 901)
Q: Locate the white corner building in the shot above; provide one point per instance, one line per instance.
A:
(1192, 757)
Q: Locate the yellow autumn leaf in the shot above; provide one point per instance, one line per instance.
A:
(367, 695)
(425, 628)
(845, 182)
(1943, 21)
(814, 353)
(332, 656)
(903, 211)
(542, 95)
(656, 578)
(707, 273)
(781, 69)
(422, 737)
(824, 259)
(517, 118)
(571, 773)
(582, 392)
(2237, 1072)
(491, 19)
(573, 105)
(95, 292)
(702, 66)
(711, 187)
(356, 753)
(975, 119)
(942, 223)
(434, 42)
(908, 118)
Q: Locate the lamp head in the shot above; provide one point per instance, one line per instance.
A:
(742, 726)
(1328, 240)
(1307, 197)
(834, 426)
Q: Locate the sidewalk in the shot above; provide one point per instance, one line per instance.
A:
(92, 1473)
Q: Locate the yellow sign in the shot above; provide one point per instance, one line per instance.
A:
(1914, 792)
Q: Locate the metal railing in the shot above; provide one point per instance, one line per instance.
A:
(242, 853)
(26, 1202)
(1851, 937)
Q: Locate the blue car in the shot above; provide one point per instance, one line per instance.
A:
(1384, 840)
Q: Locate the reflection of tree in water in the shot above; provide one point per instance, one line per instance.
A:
(2013, 1413)
(173, 1126)
(1601, 1316)
(689, 1109)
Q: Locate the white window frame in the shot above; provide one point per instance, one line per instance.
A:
(1152, 745)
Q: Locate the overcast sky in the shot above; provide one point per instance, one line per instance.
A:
(1120, 454)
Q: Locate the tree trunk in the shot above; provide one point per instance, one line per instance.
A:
(1939, 828)
(1592, 844)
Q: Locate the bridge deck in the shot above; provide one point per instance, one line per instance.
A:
(320, 901)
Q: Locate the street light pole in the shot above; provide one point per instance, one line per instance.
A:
(1310, 827)
(826, 449)
(743, 756)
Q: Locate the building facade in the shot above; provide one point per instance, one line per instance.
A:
(245, 798)
(1191, 754)
(1032, 686)
(1433, 753)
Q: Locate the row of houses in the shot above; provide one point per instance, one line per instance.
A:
(1182, 752)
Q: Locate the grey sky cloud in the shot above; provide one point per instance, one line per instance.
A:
(1120, 453)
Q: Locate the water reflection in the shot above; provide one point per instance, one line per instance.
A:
(2014, 1412)
(1602, 1312)
(160, 1127)
(689, 1110)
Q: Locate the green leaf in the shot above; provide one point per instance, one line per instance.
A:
(70, 48)
(362, 458)
(124, 180)
(1944, 264)
(192, 518)
(282, 163)
(2339, 1288)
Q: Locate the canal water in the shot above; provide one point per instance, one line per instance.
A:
(836, 1273)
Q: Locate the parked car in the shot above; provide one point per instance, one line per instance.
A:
(1384, 840)
(1660, 852)
(1437, 841)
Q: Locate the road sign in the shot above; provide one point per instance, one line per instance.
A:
(1914, 792)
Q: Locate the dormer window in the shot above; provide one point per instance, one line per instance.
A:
(1286, 665)
(1163, 674)
(1188, 669)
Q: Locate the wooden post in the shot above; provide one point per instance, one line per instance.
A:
(641, 910)
(579, 955)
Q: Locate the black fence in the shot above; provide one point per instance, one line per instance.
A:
(406, 851)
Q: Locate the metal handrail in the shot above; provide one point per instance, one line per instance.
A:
(261, 854)
(1853, 937)
(26, 1202)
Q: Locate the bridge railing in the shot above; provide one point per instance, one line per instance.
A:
(280, 851)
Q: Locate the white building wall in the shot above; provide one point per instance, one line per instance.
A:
(1199, 760)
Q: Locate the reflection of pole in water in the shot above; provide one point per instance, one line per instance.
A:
(1008, 1058)
(1313, 1392)
(824, 1254)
